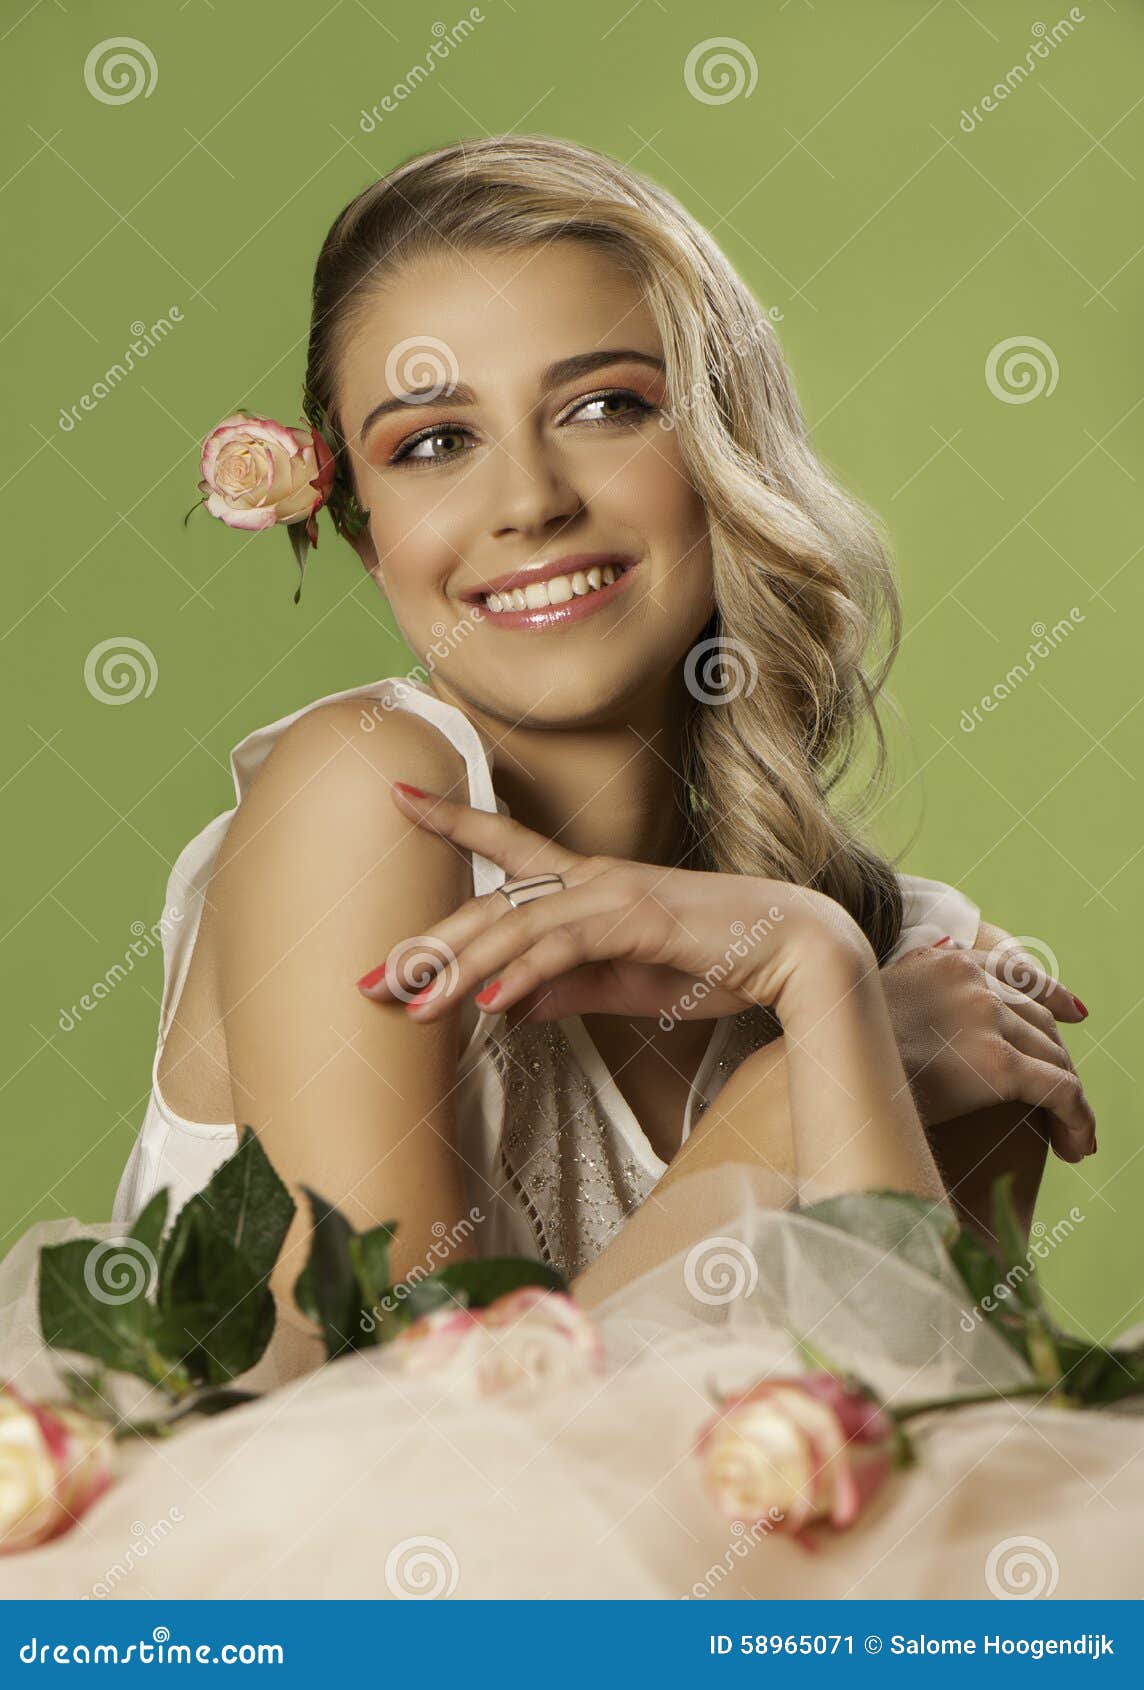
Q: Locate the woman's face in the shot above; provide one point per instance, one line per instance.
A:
(507, 462)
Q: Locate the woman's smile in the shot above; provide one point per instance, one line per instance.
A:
(566, 591)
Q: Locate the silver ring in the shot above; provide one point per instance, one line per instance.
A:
(536, 886)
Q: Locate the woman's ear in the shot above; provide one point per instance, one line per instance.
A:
(364, 547)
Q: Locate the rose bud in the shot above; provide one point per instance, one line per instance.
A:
(256, 472)
(527, 1338)
(54, 1463)
(444, 1345)
(540, 1338)
(812, 1448)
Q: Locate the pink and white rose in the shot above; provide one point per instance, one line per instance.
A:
(54, 1463)
(527, 1340)
(256, 472)
(811, 1448)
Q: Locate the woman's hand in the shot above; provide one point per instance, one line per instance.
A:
(638, 939)
(622, 938)
(979, 1027)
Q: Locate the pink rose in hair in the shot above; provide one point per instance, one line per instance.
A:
(256, 473)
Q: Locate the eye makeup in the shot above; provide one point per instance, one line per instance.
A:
(636, 408)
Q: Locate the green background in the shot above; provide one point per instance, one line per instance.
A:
(899, 250)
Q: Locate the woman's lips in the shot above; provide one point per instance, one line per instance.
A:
(555, 615)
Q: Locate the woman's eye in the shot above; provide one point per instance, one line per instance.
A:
(630, 408)
(411, 451)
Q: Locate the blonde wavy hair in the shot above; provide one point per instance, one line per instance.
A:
(802, 581)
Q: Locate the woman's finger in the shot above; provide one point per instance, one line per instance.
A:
(492, 950)
(563, 950)
(1032, 1040)
(1058, 1090)
(439, 949)
(509, 843)
(1010, 963)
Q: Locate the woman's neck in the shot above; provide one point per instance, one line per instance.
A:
(609, 788)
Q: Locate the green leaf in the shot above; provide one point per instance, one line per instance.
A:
(300, 543)
(215, 1304)
(479, 1282)
(918, 1230)
(369, 1253)
(216, 1312)
(1098, 1375)
(407, 1303)
(83, 1307)
(1020, 1272)
(149, 1224)
(1021, 1279)
(245, 1203)
(331, 1285)
(304, 1294)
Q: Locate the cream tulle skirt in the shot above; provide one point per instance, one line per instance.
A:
(348, 1482)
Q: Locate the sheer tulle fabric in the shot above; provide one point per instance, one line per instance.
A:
(351, 1483)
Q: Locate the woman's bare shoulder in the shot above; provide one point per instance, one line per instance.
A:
(365, 737)
(320, 805)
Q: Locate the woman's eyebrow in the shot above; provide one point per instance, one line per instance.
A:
(565, 369)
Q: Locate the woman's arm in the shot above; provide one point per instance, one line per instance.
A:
(317, 876)
(826, 1108)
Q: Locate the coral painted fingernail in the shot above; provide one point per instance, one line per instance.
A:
(413, 791)
(372, 978)
(1081, 1010)
(944, 940)
(486, 997)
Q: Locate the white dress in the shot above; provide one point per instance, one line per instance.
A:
(541, 1124)
(356, 1482)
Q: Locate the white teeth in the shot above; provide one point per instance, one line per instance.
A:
(558, 590)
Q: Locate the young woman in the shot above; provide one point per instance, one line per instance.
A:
(642, 613)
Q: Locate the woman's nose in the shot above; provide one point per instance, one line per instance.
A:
(530, 486)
